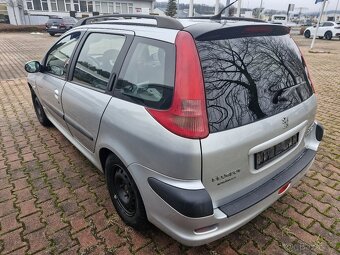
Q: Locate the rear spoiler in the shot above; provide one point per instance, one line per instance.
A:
(211, 31)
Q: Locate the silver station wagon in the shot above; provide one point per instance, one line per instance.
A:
(198, 124)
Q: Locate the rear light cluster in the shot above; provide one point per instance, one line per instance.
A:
(187, 116)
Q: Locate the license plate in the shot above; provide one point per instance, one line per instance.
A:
(264, 157)
(55, 27)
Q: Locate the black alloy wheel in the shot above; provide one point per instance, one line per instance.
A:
(307, 34)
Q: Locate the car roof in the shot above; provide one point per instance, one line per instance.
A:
(148, 25)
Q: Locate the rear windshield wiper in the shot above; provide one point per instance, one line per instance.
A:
(279, 94)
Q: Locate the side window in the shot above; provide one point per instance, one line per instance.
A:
(147, 76)
(327, 24)
(59, 56)
(97, 58)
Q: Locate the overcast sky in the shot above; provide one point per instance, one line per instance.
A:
(273, 4)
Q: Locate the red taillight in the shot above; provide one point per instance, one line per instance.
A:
(307, 71)
(187, 115)
(306, 68)
(62, 25)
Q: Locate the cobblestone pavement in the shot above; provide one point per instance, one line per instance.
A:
(53, 201)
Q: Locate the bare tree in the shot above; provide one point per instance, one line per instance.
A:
(251, 78)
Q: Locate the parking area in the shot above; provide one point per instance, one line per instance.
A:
(53, 200)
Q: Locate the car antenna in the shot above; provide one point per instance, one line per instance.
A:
(218, 16)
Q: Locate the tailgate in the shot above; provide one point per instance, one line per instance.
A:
(228, 157)
(259, 103)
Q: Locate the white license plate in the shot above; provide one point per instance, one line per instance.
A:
(55, 27)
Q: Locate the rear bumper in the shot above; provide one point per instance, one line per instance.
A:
(166, 212)
(286, 175)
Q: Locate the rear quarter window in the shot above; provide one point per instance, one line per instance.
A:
(147, 75)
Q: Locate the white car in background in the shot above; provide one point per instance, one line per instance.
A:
(326, 30)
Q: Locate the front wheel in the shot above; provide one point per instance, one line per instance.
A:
(124, 194)
(328, 35)
(39, 111)
(307, 34)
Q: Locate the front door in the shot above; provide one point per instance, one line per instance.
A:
(51, 82)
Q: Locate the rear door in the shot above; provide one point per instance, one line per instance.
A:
(88, 92)
(259, 104)
(51, 82)
(326, 26)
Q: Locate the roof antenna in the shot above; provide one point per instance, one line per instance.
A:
(218, 16)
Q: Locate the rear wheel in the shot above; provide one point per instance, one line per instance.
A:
(124, 194)
(307, 34)
(39, 111)
(328, 35)
(52, 34)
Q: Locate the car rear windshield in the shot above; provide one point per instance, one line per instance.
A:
(59, 20)
(251, 78)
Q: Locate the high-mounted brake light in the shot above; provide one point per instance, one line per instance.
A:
(258, 29)
(187, 116)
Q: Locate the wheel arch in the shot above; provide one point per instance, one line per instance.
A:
(103, 155)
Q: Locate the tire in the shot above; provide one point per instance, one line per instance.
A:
(328, 35)
(52, 34)
(307, 34)
(124, 194)
(39, 111)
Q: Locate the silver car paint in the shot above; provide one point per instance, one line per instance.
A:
(50, 90)
(161, 34)
(149, 150)
(141, 139)
(234, 149)
(83, 109)
(183, 228)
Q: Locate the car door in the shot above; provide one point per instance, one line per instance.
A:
(51, 81)
(323, 28)
(88, 91)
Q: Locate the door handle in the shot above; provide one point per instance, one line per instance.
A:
(56, 94)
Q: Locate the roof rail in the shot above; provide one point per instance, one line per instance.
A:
(162, 22)
(226, 18)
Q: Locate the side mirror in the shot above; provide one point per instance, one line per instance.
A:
(33, 66)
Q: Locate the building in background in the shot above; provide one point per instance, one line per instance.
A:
(3, 12)
(35, 12)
